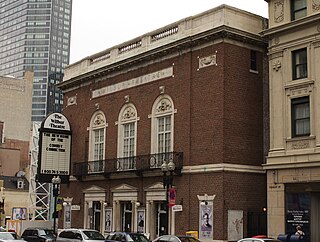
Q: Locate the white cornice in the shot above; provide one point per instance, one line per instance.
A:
(222, 167)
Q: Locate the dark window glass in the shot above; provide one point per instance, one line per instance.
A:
(299, 64)
(137, 238)
(253, 60)
(300, 108)
(93, 235)
(63, 234)
(298, 9)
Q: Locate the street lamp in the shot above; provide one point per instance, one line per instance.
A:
(55, 191)
(167, 183)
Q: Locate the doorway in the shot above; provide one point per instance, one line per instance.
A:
(126, 209)
(161, 219)
(96, 206)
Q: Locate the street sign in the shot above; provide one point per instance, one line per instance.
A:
(177, 208)
(75, 207)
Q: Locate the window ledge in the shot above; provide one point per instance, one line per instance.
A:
(303, 142)
(253, 71)
(298, 83)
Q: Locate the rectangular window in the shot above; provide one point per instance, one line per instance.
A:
(299, 64)
(127, 162)
(164, 134)
(253, 60)
(300, 108)
(128, 140)
(298, 9)
(98, 144)
(98, 149)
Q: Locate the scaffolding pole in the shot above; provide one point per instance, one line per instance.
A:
(39, 193)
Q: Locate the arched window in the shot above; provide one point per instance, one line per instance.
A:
(162, 122)
(97, 139)
(127, 137)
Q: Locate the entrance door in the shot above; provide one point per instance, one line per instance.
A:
(96, 215)
(126, 216)
(161, 223)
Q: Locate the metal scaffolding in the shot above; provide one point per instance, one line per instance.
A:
(39, 193)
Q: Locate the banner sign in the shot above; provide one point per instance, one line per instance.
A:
(172, 196)
(206, 221)
(54, 148)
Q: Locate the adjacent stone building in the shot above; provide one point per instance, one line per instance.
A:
(15, 133)
(15, 123)
(36, 35)
(190, 94)
(293, 164)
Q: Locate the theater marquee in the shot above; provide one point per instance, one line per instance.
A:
(54, 148)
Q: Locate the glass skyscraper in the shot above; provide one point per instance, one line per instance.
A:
(35, 34)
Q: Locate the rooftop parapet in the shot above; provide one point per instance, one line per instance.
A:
(222, 15)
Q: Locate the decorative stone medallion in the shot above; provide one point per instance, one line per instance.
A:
(278, 11)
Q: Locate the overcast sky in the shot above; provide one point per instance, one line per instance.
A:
(100, 24)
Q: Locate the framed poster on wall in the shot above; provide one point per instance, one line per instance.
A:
(206, 220)
(19, 213)
(108, 218)
(141, 220)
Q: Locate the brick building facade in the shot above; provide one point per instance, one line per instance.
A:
(191, 93)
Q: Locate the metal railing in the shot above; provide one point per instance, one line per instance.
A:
(137, 164)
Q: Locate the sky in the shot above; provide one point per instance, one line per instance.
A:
(101, 24)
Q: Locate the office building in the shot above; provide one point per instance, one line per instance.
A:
(35, 34)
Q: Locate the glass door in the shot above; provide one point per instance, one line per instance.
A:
(96, 215)
(126, 216)
(161, 223)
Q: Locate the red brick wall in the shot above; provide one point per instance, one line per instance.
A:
(243, 111)
(219, 119)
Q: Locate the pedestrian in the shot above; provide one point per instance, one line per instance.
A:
(299, 231)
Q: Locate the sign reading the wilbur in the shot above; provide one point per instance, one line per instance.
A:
(54, 148)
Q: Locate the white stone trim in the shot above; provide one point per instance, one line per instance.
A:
(159, 111)
(144, 79)
(222, 167)
(93, 126)
(127, 114)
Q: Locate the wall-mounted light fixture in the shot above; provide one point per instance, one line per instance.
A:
(204, 203)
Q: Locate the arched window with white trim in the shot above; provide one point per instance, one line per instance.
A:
(97, 139)
(162, 124)
(127, 137)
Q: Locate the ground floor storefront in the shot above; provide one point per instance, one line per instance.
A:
(217, 205)
(294, 200)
